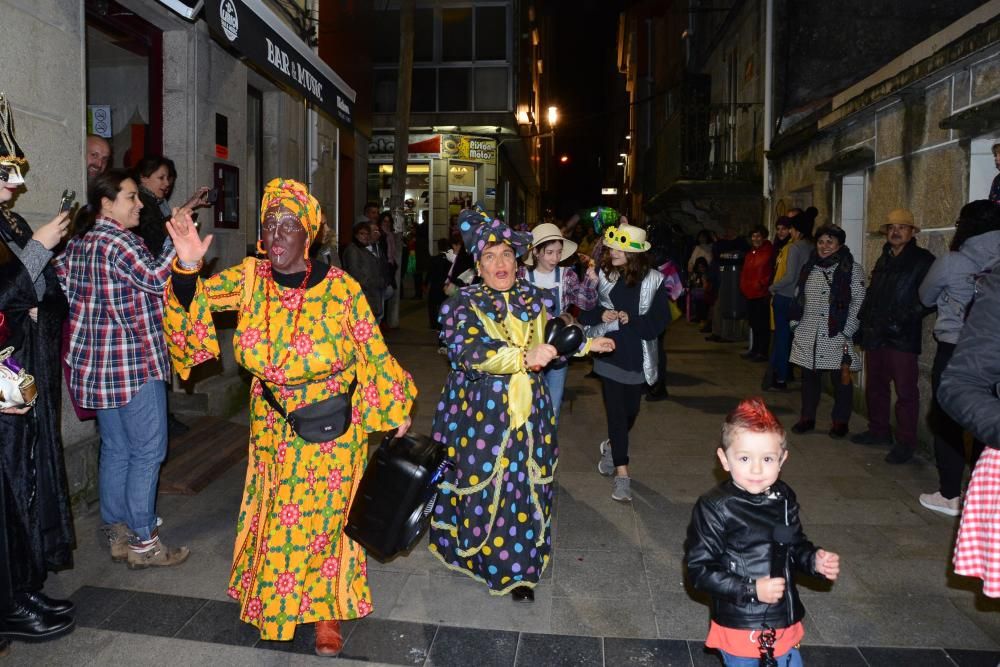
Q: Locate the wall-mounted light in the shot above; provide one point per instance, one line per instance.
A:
(553, 115)
(628, 137)
(564, 159)
(622, 155)
(621, 164)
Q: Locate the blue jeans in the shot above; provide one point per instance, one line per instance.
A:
(555, 379)
(133, 445)
(791, 659)
(781, 345)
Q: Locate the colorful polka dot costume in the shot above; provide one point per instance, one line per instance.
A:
(492, 518)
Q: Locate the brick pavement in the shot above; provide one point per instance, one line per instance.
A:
(614, 593)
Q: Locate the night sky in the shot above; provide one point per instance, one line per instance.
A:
(590, 94)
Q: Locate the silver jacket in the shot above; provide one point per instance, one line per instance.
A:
(651, 283)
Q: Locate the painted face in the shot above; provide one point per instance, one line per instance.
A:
(284, 237)
(753, 460)
(898, 235)
(756, 239)
(618, 257)
(98, 156)
(826, 246)
(125, 208)
(497, 266)
(548, 258)
(158, 182)
(10, 180)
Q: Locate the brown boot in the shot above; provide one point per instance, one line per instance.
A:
(118, 536)
(159, 556)
(329, 640)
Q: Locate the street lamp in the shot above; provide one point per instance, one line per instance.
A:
(553, 115)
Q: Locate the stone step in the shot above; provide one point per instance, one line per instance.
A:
(201, 455)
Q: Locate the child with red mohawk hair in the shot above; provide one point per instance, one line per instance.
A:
(745, 542)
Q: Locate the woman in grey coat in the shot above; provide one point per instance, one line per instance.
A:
(824, 319)
(950, 286)
(362, 264)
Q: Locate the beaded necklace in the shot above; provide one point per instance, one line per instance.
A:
(268, 281)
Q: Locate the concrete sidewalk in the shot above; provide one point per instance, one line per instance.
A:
(614, 593)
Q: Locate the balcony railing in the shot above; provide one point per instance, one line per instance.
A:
(696, 144)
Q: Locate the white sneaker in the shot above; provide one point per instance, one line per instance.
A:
(606, 466)
(938, 503)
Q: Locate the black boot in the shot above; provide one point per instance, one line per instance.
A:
(523, 594)
(26, 624)
(658, 392)
(43, 603)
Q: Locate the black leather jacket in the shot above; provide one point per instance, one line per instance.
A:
(891, 314)
(970, 385)
(729, 548)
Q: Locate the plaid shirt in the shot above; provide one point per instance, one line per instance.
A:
(115, 291)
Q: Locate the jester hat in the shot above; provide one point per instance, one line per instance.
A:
(480, 231)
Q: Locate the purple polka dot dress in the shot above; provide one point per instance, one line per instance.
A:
(492, 518)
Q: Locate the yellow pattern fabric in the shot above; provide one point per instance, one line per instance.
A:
(510, 360)
(292, 563)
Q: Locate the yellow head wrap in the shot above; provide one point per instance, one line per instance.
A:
(296, 198)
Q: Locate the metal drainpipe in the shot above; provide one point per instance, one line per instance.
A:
(768, 105)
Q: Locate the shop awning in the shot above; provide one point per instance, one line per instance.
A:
(253, 30)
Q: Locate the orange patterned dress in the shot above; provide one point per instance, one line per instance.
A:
(292, 563)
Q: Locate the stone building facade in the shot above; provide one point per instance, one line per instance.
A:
(915, 134)
(167, 82)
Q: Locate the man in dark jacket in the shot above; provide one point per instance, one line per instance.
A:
(890, 335)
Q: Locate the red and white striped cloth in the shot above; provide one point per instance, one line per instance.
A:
(977, 549)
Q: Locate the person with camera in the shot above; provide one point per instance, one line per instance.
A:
(306, 333)
(155, 175)
(36, 527)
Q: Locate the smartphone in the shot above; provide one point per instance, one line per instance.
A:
(213, 195)
(67, 201)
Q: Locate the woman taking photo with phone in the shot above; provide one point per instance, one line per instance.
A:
(36, 533)
(155, 175)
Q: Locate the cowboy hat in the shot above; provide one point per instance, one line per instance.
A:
(548, 232)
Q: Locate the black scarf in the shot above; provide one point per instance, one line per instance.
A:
(840, 287)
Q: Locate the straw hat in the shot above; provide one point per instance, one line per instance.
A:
(900, 216)
(626, 238)
(549, 232)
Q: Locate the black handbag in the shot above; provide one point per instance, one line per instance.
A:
(396, 495)
(317, 422)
